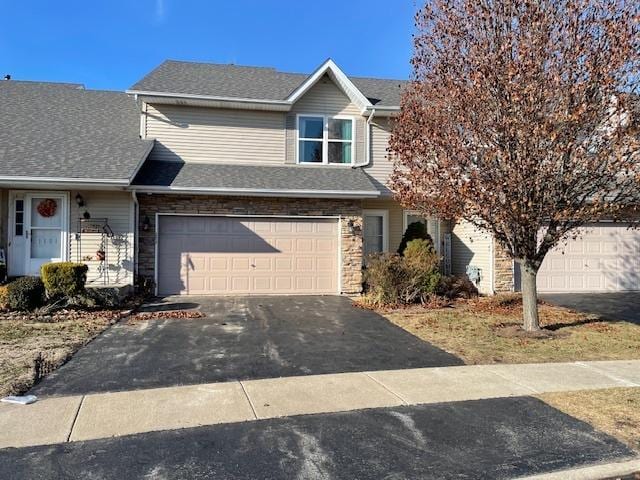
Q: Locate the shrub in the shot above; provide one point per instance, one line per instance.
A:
(25, 293)
(454, 286)
(414, 231)
(64, 278)
(383, 277)
(98, 297)
(4, 297)
(392, 279)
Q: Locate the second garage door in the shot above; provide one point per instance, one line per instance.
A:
(201, 255)
(605, 258)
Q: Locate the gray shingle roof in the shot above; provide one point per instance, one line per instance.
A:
(63, 131)
(259, 83)
(285, 178)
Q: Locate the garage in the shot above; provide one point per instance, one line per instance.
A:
(605, 258)
(223, 255)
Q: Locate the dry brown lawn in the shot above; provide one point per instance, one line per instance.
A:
(615, 411)
(22, 340)
(486, 330)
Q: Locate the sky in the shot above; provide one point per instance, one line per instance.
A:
(110, 44)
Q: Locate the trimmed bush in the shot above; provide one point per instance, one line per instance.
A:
(454, 286)
(393, 280)
(414, 231)
(64, 278)
(99, 297)
(25, 293)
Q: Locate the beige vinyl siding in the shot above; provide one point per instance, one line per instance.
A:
(117, 207)
(380, 167)
(214, 135)
(471, 246)
(396, 219)
(325, 98)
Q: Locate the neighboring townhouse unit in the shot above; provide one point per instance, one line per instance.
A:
(67, 156)
(223, 179)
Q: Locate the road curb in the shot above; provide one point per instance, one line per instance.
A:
(593, 472)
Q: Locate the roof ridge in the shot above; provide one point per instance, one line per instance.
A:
(218, 64)
(45, 82)
(273, 69)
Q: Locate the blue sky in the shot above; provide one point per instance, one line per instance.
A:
(111, 44)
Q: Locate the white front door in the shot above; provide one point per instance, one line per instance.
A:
(45, 222)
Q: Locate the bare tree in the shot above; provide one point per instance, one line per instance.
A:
(519, 120)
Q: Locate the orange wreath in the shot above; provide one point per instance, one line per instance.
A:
(47, 207)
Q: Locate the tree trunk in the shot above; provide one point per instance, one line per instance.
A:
(529, 298)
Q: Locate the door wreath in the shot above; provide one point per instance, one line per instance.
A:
(47, 207)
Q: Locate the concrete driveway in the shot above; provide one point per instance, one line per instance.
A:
(241, 338)
(624, 306)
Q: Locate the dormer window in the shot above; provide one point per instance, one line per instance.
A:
(325, 140)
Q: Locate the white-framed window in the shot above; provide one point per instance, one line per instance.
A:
(375, 235)
(324, 139)
(432, 224)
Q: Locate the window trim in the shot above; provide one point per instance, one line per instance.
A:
(325, 138)
(385, 226)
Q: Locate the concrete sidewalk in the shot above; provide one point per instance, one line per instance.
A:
(74, 418)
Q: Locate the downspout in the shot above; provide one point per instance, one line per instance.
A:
(367, 141)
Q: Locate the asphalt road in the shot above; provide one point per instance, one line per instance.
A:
(487, 439)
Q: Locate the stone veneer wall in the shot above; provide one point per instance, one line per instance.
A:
(202, 204)
(503, 270)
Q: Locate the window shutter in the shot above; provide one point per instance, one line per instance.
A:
(360, 125)
(290, 139)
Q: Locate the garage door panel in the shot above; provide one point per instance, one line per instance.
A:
(325, 264)
(284, 264)
(604, 258)
(304, 245)
(226, 255)
(327, 228)
(304, 284)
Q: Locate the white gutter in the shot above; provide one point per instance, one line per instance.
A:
(385, 108)
(208, 97)
(70, 182)
(261, 192)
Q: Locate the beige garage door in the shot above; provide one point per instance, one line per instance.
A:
(225, 255)
(606, 258)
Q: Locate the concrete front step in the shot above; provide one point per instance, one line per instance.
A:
(60, 419)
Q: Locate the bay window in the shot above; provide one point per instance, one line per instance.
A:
(325, 140)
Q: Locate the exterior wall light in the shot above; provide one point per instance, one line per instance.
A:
(146, 223)
(353, 227)
(80, 200)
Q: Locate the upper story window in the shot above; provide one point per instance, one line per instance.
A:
(323, 139)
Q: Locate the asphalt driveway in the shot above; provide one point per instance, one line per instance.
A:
(241, 338)
(622, 306)
(482, 439)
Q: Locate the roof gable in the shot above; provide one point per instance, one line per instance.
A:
(339, 78)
